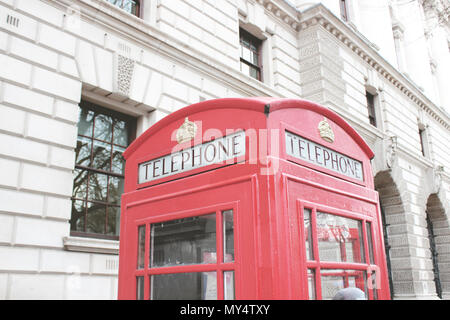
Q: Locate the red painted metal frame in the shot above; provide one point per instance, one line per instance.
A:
(270, 260)
(220, 266)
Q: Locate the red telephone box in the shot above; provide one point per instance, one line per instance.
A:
(257, 198)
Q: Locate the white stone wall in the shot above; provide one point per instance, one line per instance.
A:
(57, 52)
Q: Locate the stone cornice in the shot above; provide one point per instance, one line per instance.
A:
(320, 15)
(139, 30)
(148, 36)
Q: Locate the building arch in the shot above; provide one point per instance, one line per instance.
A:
(439, 237)
(393, 216)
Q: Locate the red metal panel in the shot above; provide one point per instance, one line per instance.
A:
(267, 190)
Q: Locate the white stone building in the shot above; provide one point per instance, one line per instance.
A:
(79, 79)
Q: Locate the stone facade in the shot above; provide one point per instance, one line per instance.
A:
(53, 53)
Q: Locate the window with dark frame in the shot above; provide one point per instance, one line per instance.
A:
(250, 62)
(371, 108)
(130, 6)
(344, 11)
(422, 140)
(103, 136)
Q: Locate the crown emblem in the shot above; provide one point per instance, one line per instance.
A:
(187, 131)
(325, 131)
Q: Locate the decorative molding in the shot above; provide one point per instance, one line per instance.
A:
(320, 15)
(391, 151)
(124, 70)
(437, 178)
(91, 245)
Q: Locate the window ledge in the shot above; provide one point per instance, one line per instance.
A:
(91, 245)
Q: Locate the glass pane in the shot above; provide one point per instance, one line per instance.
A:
(255, 59)
(308, 234)
(79, 184)
(254, 73)
(101, 156)
(85, 122)
(228, 236)
(228, 285)
(118, 162)
(334, 280)
(369, 239)
(120, 133)
(77, 219)
(245, 68)
(113, 226)
(103, 127)
(246, 54)
(115, 189)
(141, 247)
(98, 186)
(184, 241)
(339, 239)
(184, 286)
(139, 288)
(83, 152)
(311, 284)
(96, 217)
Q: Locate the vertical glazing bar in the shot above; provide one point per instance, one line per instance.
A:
(220, 252)
(141, 247)
(316, 253)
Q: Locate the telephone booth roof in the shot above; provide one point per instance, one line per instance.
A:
(263, 105)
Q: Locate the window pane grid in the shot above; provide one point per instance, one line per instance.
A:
(250, 56)
(99, 171)
(351, 266)
(130, 6)
(207, 264)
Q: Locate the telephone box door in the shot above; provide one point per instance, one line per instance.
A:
(189, 241)
(336, 238)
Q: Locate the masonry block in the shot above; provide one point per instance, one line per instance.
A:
(42, 232)
(21, 202)
(37, 178)
(55, 131)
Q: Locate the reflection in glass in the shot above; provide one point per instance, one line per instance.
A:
(85, 122)
(118, 161)
(98, 186)
(141, 247)
(113, 226)
(83, 152)
(77, 219)
(308, 234)
(339, 239)
(139, 288)
(333, 280)
(311, 284)
(96, 215)
(115, 189)
(184, 286)
(120, 133)
(228, 285)
(79, 184)
(184, 241)
(103, 128)
(228, 236)
(101, 158)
